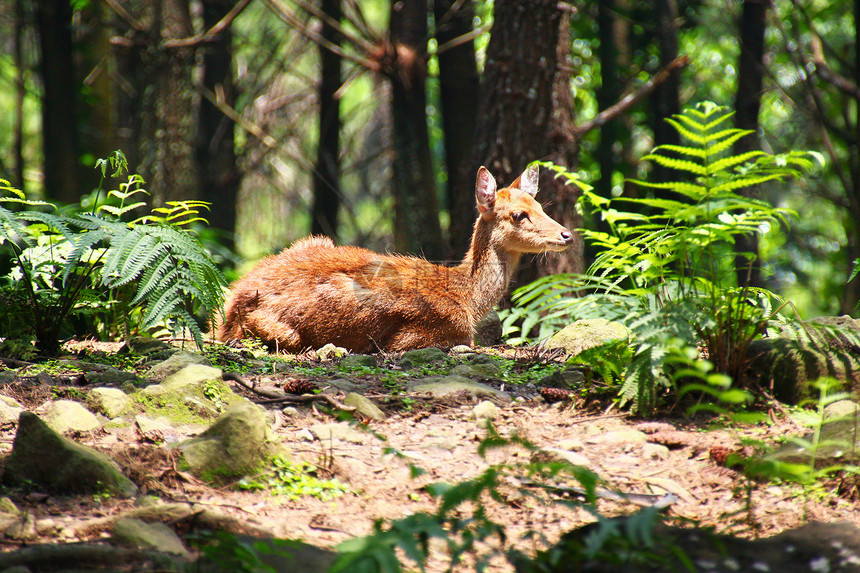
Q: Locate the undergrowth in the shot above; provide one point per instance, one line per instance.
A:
(100, 271)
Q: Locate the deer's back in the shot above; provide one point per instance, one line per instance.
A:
(348, 296)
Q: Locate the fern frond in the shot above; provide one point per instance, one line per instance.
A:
(729, 162)
(677, 164)
(693, 137)
(717, 147)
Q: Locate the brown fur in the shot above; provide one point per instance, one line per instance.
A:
(314, 292)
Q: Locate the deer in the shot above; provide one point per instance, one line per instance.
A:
(314, 293)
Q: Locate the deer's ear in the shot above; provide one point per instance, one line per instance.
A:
(485, 190)
(528, 181)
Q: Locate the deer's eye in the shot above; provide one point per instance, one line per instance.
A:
(520, 216)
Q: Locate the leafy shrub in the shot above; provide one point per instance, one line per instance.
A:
(666, 267)
(294, 480)
(150, 271)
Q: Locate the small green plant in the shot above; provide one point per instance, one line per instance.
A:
(70, 265)
(294, 480)
(665, 268)
(213, 390)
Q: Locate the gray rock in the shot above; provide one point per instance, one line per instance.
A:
(42, 457)
(569, 379)
(9, 412)
(338, 431)
(354, 361)
(789, 365)
(488, 331)
(111, 402)
(67, 415)
(138, 533)
(584, 334)
(485, 410)
(175, 363)
(448, 385)
(462, 349)
(232, 446)
(489, 370)
(621, 437)
(344, 385)
(364, 406)
(330, 351)
(191, 375)
(552, 455)
(156, 429)
(143, 345)
(112, 377)
(655, 451)
(421, 356)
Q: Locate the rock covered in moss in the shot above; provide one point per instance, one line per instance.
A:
(112, 402)
(588, 333)
(68, 415)
(233, 446)
(43, 457)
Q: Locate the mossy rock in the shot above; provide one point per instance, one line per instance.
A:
(42, 457)
(422, 356)
(584, 334)
(233, 446)
(355, 361)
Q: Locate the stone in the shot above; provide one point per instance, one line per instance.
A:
(487, 370)
(8, 506)
(175, 363)
(190, 375)
(42, 457)
(156, 429)
(488, 331)
(422, 356)
(282, 555)
(355, 361)
(652, 451)
(587, 333)
(142, 535)
(232, 446)
(330, 351)
(338, 431)
(112, 377)
(143, 345)
(462, 349)
(568, 379)
(485, 410)
(445, 386)
(364, 406)
(344, 385)
(621, 437)
(9, 412)
(554, 455)
(68, 415)
(111, 402)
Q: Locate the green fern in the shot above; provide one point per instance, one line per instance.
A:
(665, 269)
(152, 269)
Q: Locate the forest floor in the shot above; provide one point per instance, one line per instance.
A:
(667, 453)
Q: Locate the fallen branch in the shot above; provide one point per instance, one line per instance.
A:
(273, 397)
(631, 99)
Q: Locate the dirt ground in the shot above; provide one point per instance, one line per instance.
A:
(441, 436)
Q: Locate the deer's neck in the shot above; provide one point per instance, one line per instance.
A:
(486, 270)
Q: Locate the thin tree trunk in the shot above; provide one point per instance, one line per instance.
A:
(216, 152)
(59, 127)
(458, 92)
(666, 99)
(851, 294)
(416, 211)
(20, 94)
(747, 104)
(326, 177)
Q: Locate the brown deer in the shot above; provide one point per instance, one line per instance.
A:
(315, 293)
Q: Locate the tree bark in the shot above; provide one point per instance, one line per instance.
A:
(20, 94)
(216, 152)
(157, 107)
(326, 177)
(458, 93)
(60, 92)
(416, 211)
(666, 99)
(747, 104)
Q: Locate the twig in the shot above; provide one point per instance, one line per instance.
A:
(210, 34)
(631, 99)
(272, 397)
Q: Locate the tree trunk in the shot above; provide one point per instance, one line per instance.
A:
(666, 99)
(20, 95)
(216, 153)
(416, 211)
(458, 94)
(527, 113)
(326, 177)
(747, 104)
(157, 107)
(60, 92)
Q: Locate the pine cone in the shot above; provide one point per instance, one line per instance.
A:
(299, 387)
(555, 394)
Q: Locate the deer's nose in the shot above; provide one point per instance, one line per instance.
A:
(566, 236)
